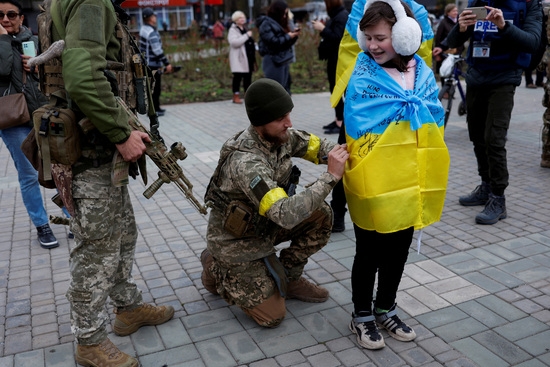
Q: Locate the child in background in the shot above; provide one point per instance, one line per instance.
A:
(396, 177)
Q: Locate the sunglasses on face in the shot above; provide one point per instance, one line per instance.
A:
(11, 15)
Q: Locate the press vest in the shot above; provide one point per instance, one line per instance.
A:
(502, 54)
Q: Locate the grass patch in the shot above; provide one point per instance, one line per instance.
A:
(208, 78)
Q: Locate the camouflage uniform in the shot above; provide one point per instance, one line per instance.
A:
(545, 157)
(305, 219)
(104, 224)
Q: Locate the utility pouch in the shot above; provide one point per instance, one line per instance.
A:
(57, 134)
(238, 217)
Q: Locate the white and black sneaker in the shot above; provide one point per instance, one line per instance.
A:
(45, 237)
(365, 328)
(393, 324)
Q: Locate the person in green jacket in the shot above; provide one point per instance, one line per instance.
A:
(104, 225)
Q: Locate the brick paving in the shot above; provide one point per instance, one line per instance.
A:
(475, 295)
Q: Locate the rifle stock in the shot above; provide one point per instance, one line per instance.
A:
(167, 162)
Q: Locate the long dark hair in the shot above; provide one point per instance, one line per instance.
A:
(382, 11)
(278, 12)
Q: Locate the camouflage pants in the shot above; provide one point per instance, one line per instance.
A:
(249, 284)
(102, 259)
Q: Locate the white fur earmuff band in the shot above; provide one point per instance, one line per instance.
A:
(406, 35)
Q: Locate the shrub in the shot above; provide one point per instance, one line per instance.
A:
(205, 74)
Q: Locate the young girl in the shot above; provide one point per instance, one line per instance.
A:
(396, 176)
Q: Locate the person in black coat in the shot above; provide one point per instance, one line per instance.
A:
(331, 34)
(276, 41)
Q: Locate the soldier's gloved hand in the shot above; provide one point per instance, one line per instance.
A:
(337, 158)
(134, 147)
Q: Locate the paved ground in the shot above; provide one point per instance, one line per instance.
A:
(476, 295)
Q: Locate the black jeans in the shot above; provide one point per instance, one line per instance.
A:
(157, 90)
(489, 114)
(331, 74)
(338, 202)
(246, 79)
(385, 253)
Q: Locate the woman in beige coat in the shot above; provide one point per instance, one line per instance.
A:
(242, 54)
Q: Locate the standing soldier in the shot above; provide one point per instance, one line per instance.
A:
(95, 56)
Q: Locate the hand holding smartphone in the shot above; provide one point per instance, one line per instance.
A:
(479, 11)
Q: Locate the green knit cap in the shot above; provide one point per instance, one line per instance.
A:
(266, 100)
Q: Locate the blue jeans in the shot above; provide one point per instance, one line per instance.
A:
(28, 176)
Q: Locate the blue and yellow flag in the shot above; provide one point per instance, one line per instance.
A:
(348, 51)
(396, 176)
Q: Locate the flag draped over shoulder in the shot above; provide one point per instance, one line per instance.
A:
(396, 176)
(349, 49)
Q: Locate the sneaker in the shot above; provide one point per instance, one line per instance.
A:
(305, 291)
(105, 354)
(367, 332)
(393, 324)
(331, 125)
(128, 322)
(46, 238)
(479, 196)
(208, 280)
(70, 235)
(338, 225)
(494, 211)
(531, 86)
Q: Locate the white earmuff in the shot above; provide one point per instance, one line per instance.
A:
(406, 34)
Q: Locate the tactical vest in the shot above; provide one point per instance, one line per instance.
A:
(501, 55)
(50, 73)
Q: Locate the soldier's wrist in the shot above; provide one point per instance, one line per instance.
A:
(329, 179)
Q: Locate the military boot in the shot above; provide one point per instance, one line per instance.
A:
(105, 354)
(208, 280)
(128, 322)
(306, 291)
(479, 196)
(494, 211)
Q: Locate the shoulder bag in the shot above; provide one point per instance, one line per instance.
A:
(13, 107)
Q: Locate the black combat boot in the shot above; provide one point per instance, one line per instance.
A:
(479, 196)
(494, 211)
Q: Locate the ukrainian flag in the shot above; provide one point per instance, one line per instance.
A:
(396, 176)
(349, 49)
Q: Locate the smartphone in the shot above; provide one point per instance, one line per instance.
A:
(479, 11)
(29, 49)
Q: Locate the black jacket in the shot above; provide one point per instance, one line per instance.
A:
(273, 38)
(516, 39)
(334, 30)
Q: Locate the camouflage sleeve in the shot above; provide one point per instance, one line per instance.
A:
(89, 27)
(310, 147)
(291, 211)
(250, 171)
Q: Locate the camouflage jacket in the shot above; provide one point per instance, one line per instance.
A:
(254, 171)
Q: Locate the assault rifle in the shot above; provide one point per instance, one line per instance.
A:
(166, 160)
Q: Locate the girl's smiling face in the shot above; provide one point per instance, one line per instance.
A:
(379, 44)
